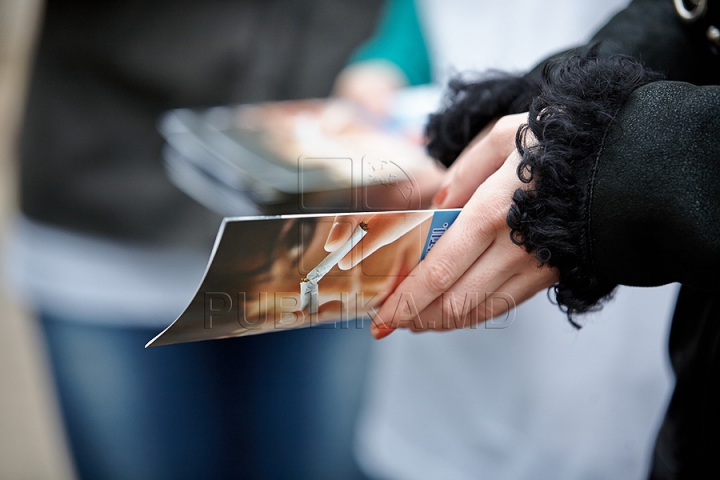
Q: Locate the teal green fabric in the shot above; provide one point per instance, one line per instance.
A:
(399, 39)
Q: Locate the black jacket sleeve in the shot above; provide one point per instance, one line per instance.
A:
(623, 180)
(623, 175)
(655, 203)
(616, 149)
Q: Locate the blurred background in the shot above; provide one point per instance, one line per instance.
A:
(537, 397)
(31, 442)
(107, 72)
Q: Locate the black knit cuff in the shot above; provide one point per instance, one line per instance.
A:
(560, 146)
(470, 105)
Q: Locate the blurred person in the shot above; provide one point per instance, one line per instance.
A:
(396, 56)
(108, 252)
(535, 399)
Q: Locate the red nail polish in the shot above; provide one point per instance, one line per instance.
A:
(379, 333)
(439, 198)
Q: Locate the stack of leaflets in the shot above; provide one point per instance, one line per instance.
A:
(321, 155)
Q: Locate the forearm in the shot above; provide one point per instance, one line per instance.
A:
(618, 166)
(622, 180)
(655, 217)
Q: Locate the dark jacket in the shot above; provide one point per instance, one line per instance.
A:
(623, 189)
(105, 71)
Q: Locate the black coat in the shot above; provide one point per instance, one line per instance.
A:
(655, 215)
(623, 188)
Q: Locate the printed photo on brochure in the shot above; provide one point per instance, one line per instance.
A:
(270, 274)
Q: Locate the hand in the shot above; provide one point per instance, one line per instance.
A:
(475, 261)
(371, 84)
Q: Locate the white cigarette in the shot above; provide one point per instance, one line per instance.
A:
(309, 296)
(309, 283)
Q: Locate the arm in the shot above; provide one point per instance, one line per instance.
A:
(655, 208)
(617, 185)
(396, 56)
(571, 136)
(623, 182)
(399, 40)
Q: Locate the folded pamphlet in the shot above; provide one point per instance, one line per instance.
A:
(274, 273)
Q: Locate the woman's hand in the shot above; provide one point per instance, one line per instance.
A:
(475, 261)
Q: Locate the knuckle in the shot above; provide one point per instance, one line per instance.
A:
(505, 126)
(497, 215)
(488, 222)
(501, 124)
(481, 313)
(439, 276)
(503, 133)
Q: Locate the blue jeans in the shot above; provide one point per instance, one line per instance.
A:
(280, 405)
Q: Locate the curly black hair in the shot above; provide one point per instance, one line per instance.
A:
(579, 100)
(470, 104)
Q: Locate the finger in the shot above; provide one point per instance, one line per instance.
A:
(380, 331)
(468, 237)
(341, 231)
(490, 305)
(479, 224)
(495, 303)
(478, 161)
(456, 308)
(382, 230)
(515, 291)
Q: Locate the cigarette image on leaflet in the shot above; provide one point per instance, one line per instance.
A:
(309, 283)
(251, 282)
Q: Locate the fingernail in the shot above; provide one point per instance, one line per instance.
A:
(380, 332)
(439, 198)
(338, 234)
(346, 262)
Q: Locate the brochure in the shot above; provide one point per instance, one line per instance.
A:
(325, 154)
(274, 273)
